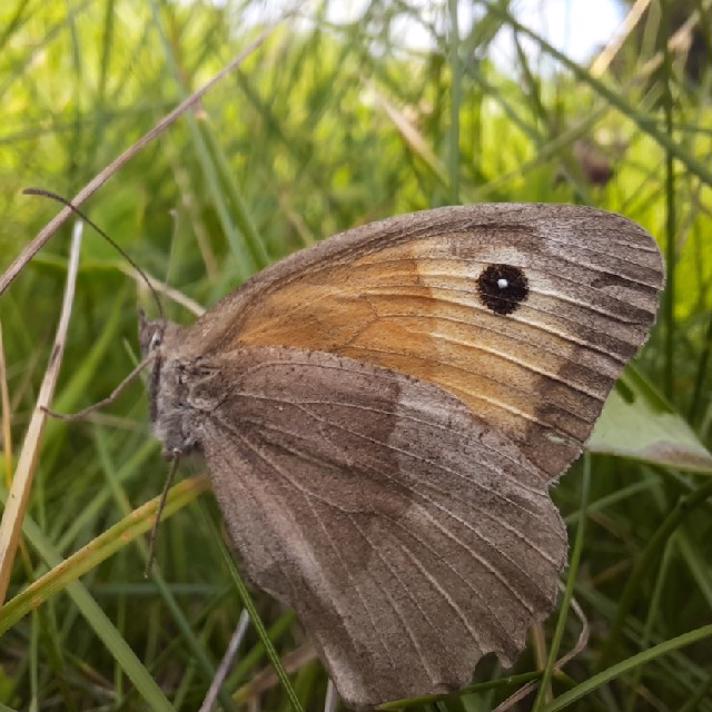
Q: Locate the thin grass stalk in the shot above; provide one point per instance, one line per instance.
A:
(245, 264)
(696, 561)
(703, 366)
(250, 659)
(616, 671)
(693, 703)
(600, 65)
(19, 494)
(265, 679)
(455, 102)
(650, 620)
(34, 661)
(670, 216)
(544, 685)
(249, 604)
(226, 664)
(677, 515)
(502, 682)
(253, 240)
(331, 701)
(6, 415)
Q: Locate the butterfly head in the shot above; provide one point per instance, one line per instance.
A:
(150, 333)
(171, 415)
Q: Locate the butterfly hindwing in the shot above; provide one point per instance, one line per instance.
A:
(410, 538)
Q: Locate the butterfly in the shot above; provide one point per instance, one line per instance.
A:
(383, 415)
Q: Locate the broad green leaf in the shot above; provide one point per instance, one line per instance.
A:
(638, 422)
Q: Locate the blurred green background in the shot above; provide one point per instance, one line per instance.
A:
(348, 113)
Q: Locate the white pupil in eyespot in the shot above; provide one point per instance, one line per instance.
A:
(502, 283)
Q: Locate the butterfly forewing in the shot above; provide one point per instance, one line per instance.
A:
(411, 293)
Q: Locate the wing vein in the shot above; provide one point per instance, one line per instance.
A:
(306, 496)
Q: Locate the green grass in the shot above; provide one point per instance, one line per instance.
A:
(322, 128)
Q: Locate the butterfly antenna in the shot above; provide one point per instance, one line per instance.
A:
(113, 243)
(161, 506)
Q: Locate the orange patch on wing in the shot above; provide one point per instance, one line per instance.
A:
(397, 311)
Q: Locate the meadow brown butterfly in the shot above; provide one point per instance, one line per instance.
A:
(382, 416)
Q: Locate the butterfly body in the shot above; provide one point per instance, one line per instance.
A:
(382, 416)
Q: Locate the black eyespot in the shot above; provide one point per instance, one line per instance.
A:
(502, 288)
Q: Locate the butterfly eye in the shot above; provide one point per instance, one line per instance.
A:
(155, 340)
(502, 288)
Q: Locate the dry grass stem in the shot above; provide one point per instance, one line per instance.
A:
(227, 662)
(331, 700)
(600, 65)
(162, 288)
(19, 494)
(6, 414)
(581, 643)
(266, 678)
